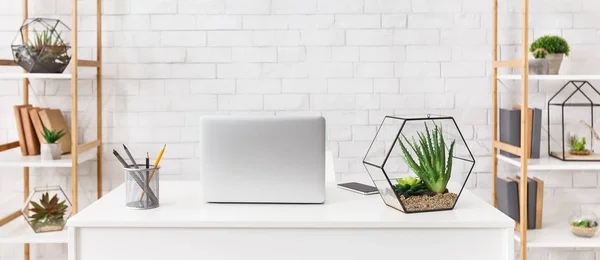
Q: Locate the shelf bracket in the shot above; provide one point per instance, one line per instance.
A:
(10, 217)
(86, 147)
(508, 64)
(508, 148)
(8, 146)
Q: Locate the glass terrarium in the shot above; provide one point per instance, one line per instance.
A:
(583, 224)
(572, 113)
(47, 209)
(39, 46)
(419, 163)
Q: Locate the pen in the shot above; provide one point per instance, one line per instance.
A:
(120, 159)
(147, 161)
(130, 157)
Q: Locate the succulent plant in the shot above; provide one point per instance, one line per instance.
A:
(432, 166)
(575, 143)
(52, 136)
(409, 180)
(585, 223)
(48, 210)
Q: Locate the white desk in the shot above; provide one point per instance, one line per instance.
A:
(348, 226)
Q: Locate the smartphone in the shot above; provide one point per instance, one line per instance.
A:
(358, 188)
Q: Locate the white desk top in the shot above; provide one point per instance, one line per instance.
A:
(181, 206)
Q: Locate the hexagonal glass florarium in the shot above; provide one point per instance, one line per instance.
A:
(419, 163)
(572, 114)
(39, 46)
(47, 209)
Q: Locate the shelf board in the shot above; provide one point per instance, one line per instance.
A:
(13, 158)
(549, 164)
(19, 232)
(552, 77)
(35, 76)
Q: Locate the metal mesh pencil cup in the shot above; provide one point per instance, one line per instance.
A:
(141, 187)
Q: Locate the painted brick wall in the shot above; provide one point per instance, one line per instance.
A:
(168, 62)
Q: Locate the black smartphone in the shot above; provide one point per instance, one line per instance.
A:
(358, 188)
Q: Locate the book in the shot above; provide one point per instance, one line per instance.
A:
(18, 117)
(539, 206)
(53, 119)
(532, 192)
(507, 197)
(31, 139)
(37, 123)
(510, 129)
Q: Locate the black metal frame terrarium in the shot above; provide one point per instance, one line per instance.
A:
(419, 163)
(47, 209)
(39, 46)
(576, 102)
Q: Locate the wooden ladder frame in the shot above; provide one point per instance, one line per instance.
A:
(75, 148)
(524, 150)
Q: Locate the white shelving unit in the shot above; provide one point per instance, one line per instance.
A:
(19, 232)
(551, 164)
(551, 77)
(13, 227)
(13, 158)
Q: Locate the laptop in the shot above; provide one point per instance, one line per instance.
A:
(275, 159)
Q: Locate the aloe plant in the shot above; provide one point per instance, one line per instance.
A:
(52, 136)
(432, 165)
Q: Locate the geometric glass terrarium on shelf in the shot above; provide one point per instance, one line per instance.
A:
(47, 209)
(419, 163)
(572, 112)
(39, 46)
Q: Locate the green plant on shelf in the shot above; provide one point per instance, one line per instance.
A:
(540, 53)
(52, 136)
(551, 44)
(49, 46)
(585, 223)
(432, 165)
(576, 144)
(410, 186)
(48, 213)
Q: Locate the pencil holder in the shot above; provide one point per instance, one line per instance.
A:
(141, 187)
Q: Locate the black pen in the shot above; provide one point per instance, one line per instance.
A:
(147, 161)
(120, 159)
(130, 157)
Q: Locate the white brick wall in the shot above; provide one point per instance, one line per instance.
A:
(168, 62)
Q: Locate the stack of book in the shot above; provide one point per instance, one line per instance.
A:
(507, 198)
(31, 122)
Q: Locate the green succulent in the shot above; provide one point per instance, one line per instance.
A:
(540, 53)
(48, 210)
(432, 165)
(52, 136)
(409, 180)
(49, 46)
(552, 44)
(576, 144)
(586, 223)
(411, 190)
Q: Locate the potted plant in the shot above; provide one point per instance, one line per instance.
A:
(43, 50)
(583, 224)
(552, 49)
(433, 167)
(577, 146)
(51, 150)
(47, 209)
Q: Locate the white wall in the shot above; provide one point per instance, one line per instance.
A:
(167, 62)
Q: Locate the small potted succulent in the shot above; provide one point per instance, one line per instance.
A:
(584, 224)
(548, 50)
(577, 146)
(47, 209)
(51, 150)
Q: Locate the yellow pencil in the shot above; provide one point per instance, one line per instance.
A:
(160, 154)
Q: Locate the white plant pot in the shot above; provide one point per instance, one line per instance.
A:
(554, 61)
(51, 151)
(539, 67)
